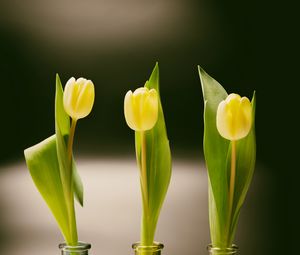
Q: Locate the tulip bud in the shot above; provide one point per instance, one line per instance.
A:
(78, 97)
(234, 117)
(141, 109)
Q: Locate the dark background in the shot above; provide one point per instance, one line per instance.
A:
(115, 43)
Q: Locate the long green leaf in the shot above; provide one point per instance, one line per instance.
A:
(42, 162)
(158, 161)
(49, 168)
(78, 186)
(217, 151)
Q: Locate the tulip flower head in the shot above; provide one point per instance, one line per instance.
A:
(78, 97)
(234, 117)
(141, 108)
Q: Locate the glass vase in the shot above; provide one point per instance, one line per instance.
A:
(79, 249)
(154, 249)
(222, 251)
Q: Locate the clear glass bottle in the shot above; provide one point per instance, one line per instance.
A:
(222, 251)
(154, 249)
(79, 249)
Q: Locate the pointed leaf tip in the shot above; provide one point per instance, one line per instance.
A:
(57, 78)
(153, 81)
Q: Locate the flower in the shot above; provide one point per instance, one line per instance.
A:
(78, 97)
(141, 108)
(234, 117)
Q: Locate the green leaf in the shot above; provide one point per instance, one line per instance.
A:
(51, 173)
(78, 186)
(62, 130)
(217, 151)
(158, 161)
(42, 162)
(62, 119)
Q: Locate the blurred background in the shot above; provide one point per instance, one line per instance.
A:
(116, 43)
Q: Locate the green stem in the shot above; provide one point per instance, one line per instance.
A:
(144, 168)
(70, 199)
(71, 141)
(145, 230)
(231, 187)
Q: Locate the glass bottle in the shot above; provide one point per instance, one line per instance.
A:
(222, 251)
(79, 249)
(154, 249)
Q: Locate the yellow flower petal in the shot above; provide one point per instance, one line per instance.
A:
(234, 117)
(150, 110)
(141, 109)
(79, 96)
(85, 99)
(224, 120)
(129, 110)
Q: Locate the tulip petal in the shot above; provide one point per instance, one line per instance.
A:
(85, 99)
(234, 117)
(150, 110)
(67, 96)
(224, 120)
(137, 99)
(142, 111)
(129, 110)
(233, 98)
(79, 96)
(244, 118)
(140, 91)
(80, 82)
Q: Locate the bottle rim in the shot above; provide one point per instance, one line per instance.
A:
(229, 250)
(156, 246)
(80, 246)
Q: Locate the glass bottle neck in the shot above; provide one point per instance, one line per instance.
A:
(79, 249)
(222, 251)
(154, 249)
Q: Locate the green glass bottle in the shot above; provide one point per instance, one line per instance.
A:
(222, 251)
(154, 249)
(79, 249)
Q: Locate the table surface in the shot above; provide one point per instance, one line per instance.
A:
(110, 218)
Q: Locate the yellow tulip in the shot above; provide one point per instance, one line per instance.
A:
(141, 108)
(78, 98)
(234, 117)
